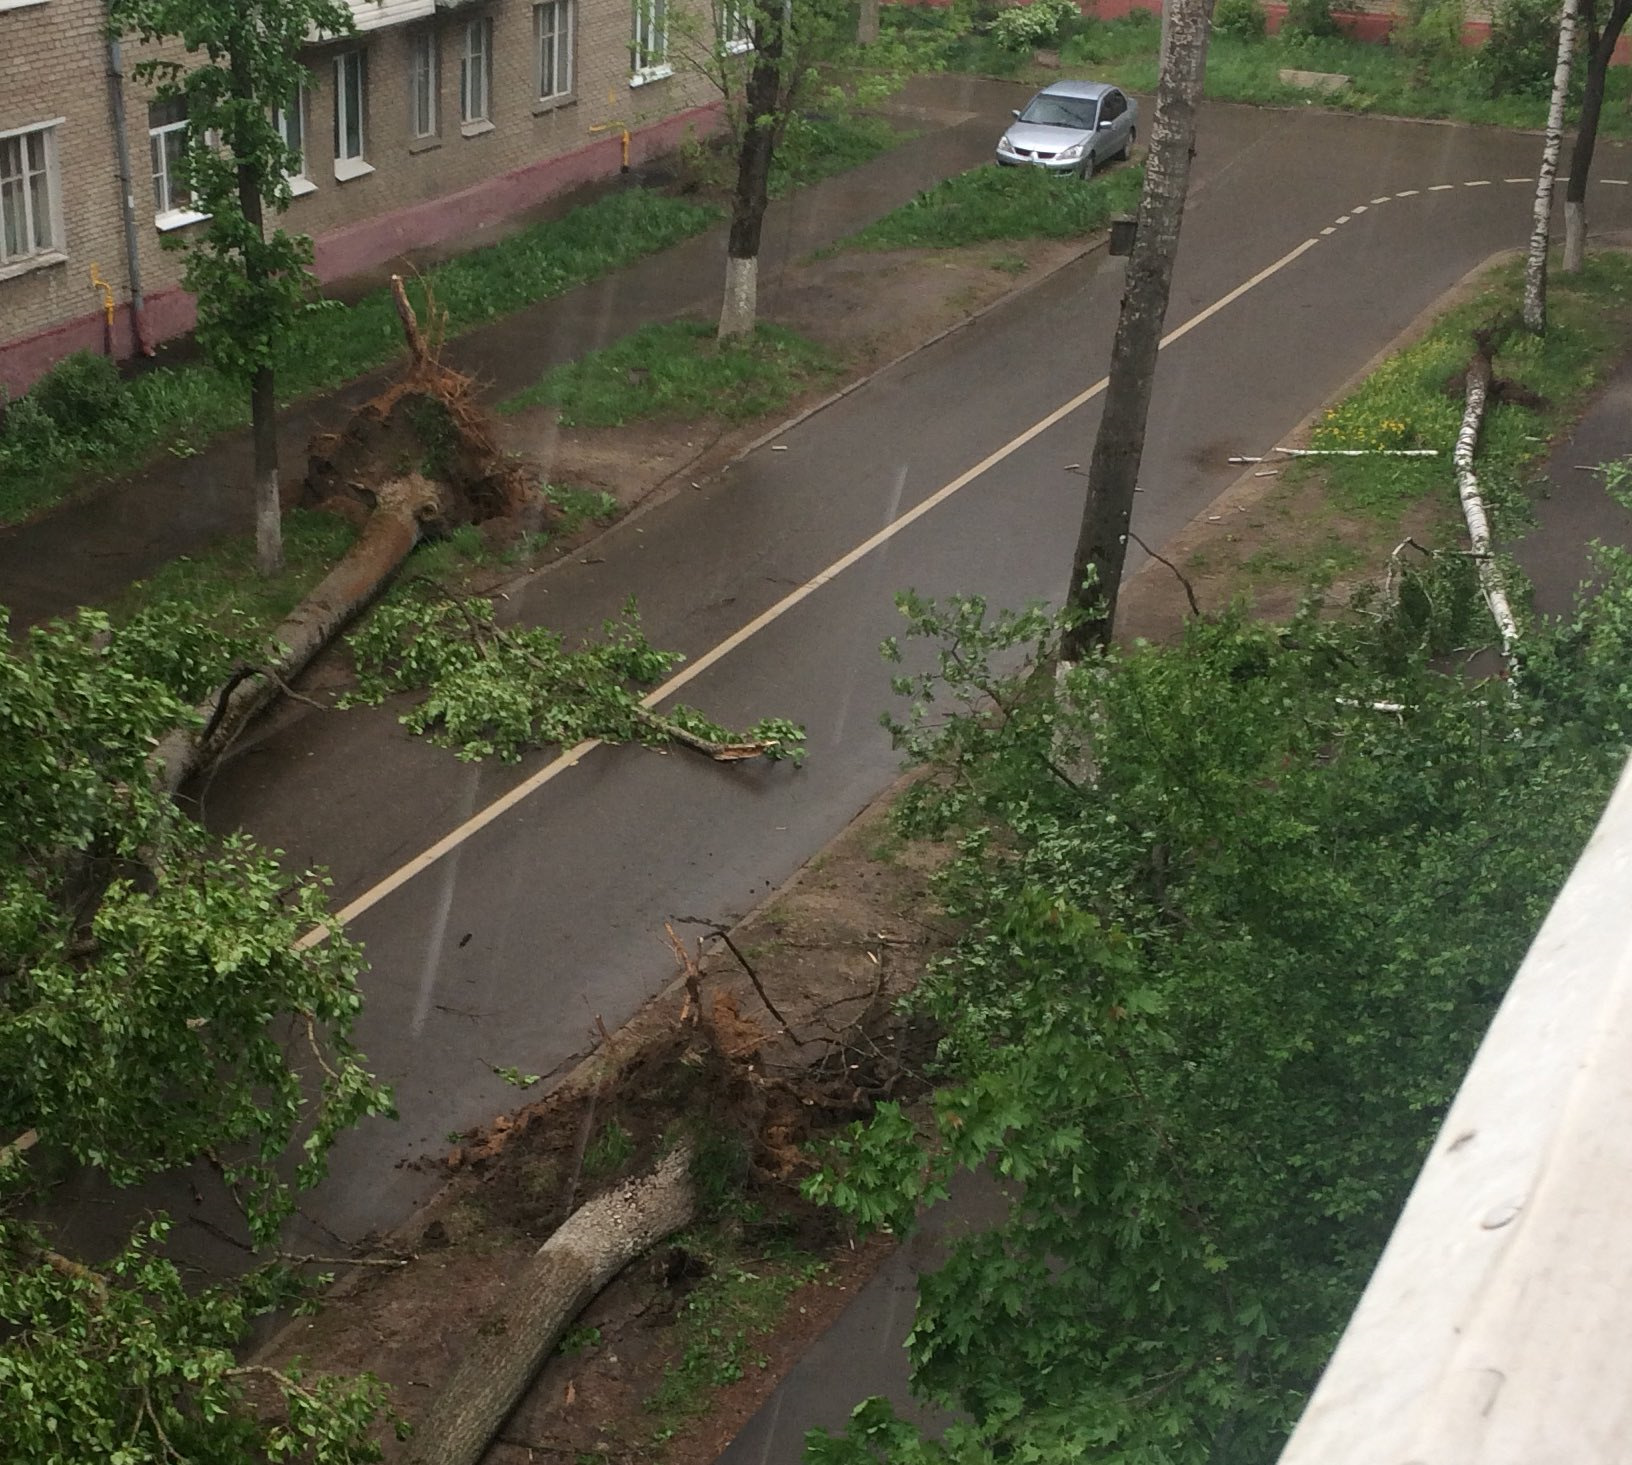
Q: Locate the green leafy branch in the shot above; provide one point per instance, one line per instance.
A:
(492, 690)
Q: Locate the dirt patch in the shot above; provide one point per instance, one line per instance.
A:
(866, 308)
(1264, 542)
(672, 1358)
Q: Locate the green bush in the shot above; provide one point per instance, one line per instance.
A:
(1026, 27)
(81, 394)
(1519, 57)
(1430, 33)
(1311, 18)
(27, 434)
(1244, 20)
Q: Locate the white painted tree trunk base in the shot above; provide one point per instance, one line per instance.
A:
(268, 525)
(1575, 237)
(738, 313)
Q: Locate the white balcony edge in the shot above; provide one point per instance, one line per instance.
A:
(1494, 1329)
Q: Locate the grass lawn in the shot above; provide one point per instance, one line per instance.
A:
(677, 370)
(990, 203)
(1330, 517)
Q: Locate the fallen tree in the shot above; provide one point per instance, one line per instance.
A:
(388, 538)
(428, 416)
(596, 1242)
(1492, 582)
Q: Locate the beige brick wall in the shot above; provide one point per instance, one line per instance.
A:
(53, 63)
(523, 131)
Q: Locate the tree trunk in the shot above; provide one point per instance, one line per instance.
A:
(593, 1245)
(263, 404)
(760, 129)
(1096, 568)
(867, 25)
(1601, 49)
(1491, 581)
(1535, 270)
(263, 414)
(388, 537)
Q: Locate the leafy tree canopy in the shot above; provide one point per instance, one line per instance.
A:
(154, 1010)
(1236, 913)
(243, 66)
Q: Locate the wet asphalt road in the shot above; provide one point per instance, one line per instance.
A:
(508, 949)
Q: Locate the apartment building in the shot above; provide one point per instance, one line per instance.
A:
(434, 121)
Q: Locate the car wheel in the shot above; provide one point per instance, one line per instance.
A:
(1127, 147)
(1087, 168)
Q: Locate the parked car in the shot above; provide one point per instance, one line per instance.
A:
(1071, 127)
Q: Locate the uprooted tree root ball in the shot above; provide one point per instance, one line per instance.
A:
(427, 423)
(691, 1131)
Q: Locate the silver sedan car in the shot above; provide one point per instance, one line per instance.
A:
(1071, 127)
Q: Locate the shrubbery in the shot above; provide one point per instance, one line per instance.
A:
(1242, 20)
(1519, 57)
(1026, 27)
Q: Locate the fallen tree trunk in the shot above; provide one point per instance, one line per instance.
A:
(1491, 581)
(591, 1247)
(387, 539)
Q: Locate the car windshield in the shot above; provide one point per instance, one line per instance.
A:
(1075, 112)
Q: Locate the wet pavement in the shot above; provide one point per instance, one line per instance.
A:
(90, 548)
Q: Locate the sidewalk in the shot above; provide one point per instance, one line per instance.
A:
(91, 547)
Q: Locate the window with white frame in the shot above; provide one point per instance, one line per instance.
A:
(350, 114)
(422, 84)
(476, 72)
(291, 120)
(731, 25)
(649, 51)
(167, 146)
(28, 194)
(552, 45)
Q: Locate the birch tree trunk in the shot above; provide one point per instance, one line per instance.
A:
(1601, 48)
(592, 1246)
(1535, 270)
(761, 125)
(1102, 543)
(1491, 581)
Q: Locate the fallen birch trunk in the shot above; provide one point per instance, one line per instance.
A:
(387, 539)
(1473, 504)
(591, 1247)
(1343, 453)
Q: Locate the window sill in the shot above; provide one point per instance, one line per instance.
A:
(31, 262)
(554, 104)
(480, 127)
(424, 144)
(647, 77)
(345, 169)
(736, 48)
(177, 219)
(300, 185)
